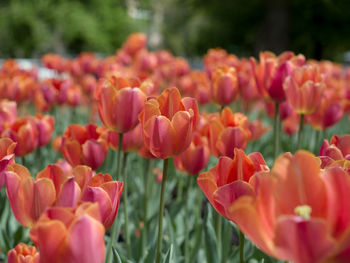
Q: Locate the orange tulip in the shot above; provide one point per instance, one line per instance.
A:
(229, 131)
(303, 89)
(135, 43)
(337, 150)
(271, 72)
(257, 129)
(70, 235)
(195, 157)
(132, 140)
(23, 253)
(168, 123)
(8, 113)
(230, 179)
(224, 85)
(283, 212)
(106, 192)
(23, 131)
(84, 145)
(7, 147)
(120, 101)
(45, 125)
(29, 198)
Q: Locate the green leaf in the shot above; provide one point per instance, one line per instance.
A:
(116, 257)
(210, 241)
(168, 255)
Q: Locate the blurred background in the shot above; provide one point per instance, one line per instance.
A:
(319, 29)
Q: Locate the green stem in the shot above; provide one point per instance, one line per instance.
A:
(276, 131)
(161, 208)
(38, 159)
(317, 139)
(219, 234)
(179, 188)
(120, 146)
(145, 207)
(241, 247)
(300, 132)
(188, 187)
(115, 223)
(125, 205)
(23, 161)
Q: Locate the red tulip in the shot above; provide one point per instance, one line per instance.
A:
(229, 131)
(224, 85)
(257, 129)
(7, 157)
(70, 235)
(196, 157)
(45, 125)
(283, 212)
(337, 150)
(120, 101)
(25, 133)
(84, 145)
(303, 89)
(168, 123)
(23, 253)
(135, 43)
(8, 114)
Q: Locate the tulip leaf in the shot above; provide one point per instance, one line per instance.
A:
(169, 254)
(210, 241)
(116, 257)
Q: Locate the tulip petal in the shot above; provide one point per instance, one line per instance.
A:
(69, 195)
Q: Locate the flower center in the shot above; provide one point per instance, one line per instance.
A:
(304, 211)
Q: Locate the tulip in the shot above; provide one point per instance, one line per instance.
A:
(106, 192)
(7, 147)
(283, 211)
(337, 150)
(303, 89)
(8, 114)
(25, 133)
(45, 126)
(168, 123)
(83, 145)
(132, 140)
(224, 85)
(229, 131)
(257, 129)
(29, 198)
(195, 158)
(120, 102)
(70, 235)
(23, 253)
(135, 43)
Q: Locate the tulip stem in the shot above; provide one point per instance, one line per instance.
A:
(125, 200)
(276, 131)
(161, 208)
(145, 202)
(188, 187)
(241, 247)
(219, 233)
(119, 155)
(115, 223)
(300, 132)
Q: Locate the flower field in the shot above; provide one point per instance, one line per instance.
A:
(137, 157)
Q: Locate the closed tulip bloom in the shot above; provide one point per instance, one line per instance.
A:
(7, 157)
(195, 158)
(135, 43)
(120, 101)
(8, 113)
(106, 192)
(304, 88)
(70, 235)
(23, 253)
(229, 131)
(45, 125)
(83, 145)
(25, 133)
(224, 85)
(132, 140)
(168, 123)
(257, 129)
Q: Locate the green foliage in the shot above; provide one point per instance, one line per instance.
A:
(33, 27)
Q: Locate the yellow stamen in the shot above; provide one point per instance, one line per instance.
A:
(304, 211)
